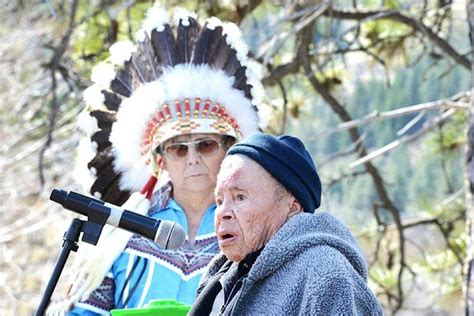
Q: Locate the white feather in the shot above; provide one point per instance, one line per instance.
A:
(254, 75)
(103, 74)
(80, 173)
(183, 15)
(156, 18)
(97, 195)
(265, 113)
(234, 39)
(121, 52)
(213, 22)
(140, 35)
(87, 123)
(254, 72)
(94, 98)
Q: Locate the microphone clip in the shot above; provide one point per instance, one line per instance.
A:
(95, 223)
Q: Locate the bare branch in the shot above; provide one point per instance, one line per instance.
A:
(344, 176)
(405, 139)
(452, 102)
(345, 152)
(266, 50)
(412, 123)
(281, 71)
(398, 16)
(54, 66)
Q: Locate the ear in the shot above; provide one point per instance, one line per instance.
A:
(160, 161)
(295, 207)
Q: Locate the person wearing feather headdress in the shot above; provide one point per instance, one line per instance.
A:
(161, 116)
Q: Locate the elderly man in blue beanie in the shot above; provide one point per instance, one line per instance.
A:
(278, 258)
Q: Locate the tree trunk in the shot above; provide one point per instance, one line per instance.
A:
(469, 264)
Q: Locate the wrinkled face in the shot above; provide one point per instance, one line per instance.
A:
(194, 167)
(251, 207)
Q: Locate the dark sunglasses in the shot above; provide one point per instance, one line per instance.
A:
(205, 147)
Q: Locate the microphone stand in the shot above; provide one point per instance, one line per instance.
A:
(71, 236)
(92, 230)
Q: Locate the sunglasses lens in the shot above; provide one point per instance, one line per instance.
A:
(207, 147)
(177, 151)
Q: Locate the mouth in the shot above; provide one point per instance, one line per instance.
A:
(226, 238)
(196, 175)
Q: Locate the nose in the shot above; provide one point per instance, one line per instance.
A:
(192, 156)
(224, 211)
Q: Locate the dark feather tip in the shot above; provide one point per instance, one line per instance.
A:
(164, 45)
(206, 45)
(221, 54)
(122, 84)
(104, 119)
(112, 100)
(101, 137)
(186, 40)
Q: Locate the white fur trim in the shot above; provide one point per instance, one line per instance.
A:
(121, 52)
(195, 81)
(183, 15)
(103, 74)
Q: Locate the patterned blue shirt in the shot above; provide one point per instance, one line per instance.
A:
(144, 271)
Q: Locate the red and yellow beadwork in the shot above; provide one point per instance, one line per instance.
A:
(165, 123)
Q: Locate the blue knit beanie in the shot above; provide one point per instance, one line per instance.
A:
(288, 161)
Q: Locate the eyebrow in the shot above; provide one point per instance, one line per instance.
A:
(231, 188)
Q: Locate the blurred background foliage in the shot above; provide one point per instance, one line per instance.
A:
(335, 73)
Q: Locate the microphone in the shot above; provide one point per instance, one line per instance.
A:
(166, 234)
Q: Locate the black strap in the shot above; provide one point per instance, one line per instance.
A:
(135, 264)
(134, 288)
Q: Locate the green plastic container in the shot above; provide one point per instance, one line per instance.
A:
(156, 307)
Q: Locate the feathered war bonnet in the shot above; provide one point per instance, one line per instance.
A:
(188, 80)
(195, 82)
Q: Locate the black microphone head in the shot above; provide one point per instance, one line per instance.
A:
(58, 196)
(170, 235)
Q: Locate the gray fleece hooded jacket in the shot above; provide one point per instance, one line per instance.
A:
(311, 266)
